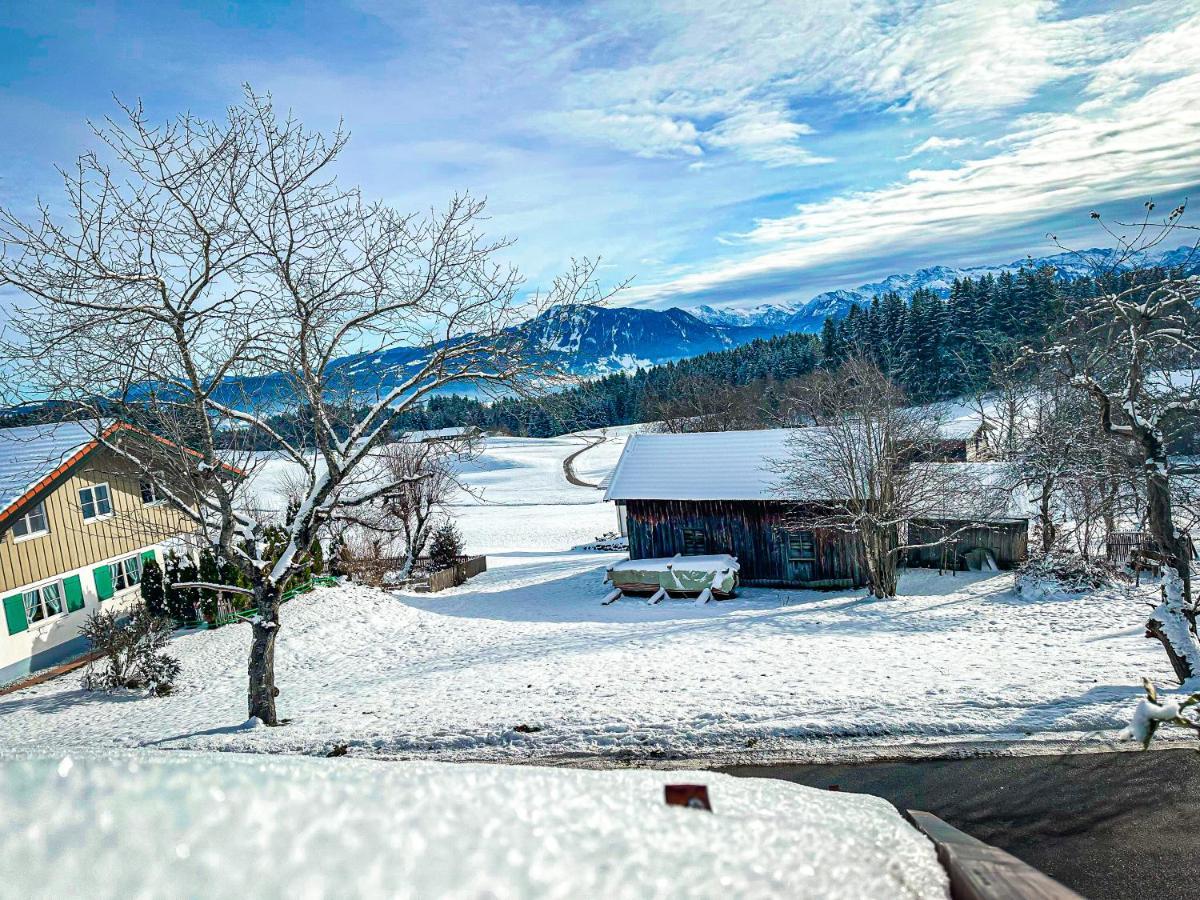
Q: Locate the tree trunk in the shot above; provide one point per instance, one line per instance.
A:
(880, 547)
(1161, 520)
(1169, 623)
(1173, 622)
(262, 691)
(1047, 524)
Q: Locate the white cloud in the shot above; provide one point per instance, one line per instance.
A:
(735, 71)
(935, 144)
(1144, 146)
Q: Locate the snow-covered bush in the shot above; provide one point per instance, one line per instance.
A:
(446, 546)
(132, 651)
(610, 541)
(1062, 572)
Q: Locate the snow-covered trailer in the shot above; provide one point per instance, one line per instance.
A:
(679, 576)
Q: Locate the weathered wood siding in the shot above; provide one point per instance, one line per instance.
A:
(754, 532)
(1007, 541)
(73, 543)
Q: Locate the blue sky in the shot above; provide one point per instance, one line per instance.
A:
(714, 151)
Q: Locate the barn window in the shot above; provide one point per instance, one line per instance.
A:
(695, 542)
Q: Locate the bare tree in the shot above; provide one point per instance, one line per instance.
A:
(210, 274)
(1133, 349)
(697, 403)
(859, 468)
(424, 477)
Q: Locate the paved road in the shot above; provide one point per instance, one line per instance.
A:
(1108, 825)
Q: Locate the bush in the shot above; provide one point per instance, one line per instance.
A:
(446, 546)
(181, 604)
(153, 593)
(132, 649)
(1063, 572)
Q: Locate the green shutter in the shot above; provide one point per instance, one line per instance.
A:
(74, 592)
(148, 556)
(104, 588)
(14, 613)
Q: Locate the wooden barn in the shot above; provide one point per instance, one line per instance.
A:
(716, 492)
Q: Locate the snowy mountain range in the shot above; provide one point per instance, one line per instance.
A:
(591, 340)
(809, 315)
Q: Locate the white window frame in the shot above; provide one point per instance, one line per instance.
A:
(91, 489)
(30, 535)
(155, 499)
(40, 589)
(120, 575)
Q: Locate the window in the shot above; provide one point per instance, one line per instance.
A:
(95, 502)
(695, 542)
(32, 523)
(126, 572)
(149, 492)
(43, 602)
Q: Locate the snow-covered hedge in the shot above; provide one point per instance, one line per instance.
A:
(1060, 572)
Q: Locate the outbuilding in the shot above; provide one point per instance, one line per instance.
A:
(718, 492)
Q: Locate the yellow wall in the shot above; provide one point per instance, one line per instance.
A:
(73, 543)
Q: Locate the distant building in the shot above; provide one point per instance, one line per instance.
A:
(76, 527)
(718, 492)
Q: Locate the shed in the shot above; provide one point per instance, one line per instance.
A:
(718, 492)
(990, 511)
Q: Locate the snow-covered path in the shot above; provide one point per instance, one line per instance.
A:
(785, 673)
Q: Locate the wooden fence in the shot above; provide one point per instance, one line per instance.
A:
(1120, 544)
(466, 567)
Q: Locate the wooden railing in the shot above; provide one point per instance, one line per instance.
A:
(979, 871)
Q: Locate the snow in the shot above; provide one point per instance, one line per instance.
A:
(955, 660)
(717, 562)
(130, 823)
(790, 674)
(515, 496)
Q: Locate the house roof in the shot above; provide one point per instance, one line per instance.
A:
(34, 455)
(984, 491)
(711, 465)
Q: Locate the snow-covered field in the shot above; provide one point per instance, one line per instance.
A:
(140, 824)
(523, 663)
(804, 674)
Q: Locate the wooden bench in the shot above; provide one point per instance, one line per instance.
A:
(979, 871)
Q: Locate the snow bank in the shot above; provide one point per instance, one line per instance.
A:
(139, 824)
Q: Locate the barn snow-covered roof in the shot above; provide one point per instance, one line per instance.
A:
(745, 465)
(713, 465)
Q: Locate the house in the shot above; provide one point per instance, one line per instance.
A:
(76, 527)
(719, 492)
